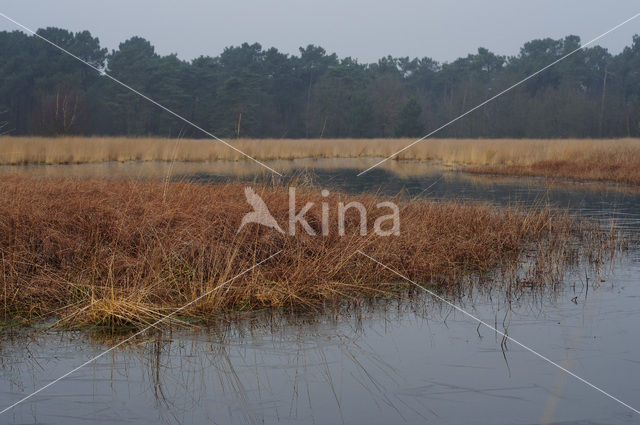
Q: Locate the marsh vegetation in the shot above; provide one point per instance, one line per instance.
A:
(616, 160)
(123, 253)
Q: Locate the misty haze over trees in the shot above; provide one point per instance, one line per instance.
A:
(251, 92)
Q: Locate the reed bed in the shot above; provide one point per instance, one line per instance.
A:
(603, 160)
(601, 167)
(69, 150)
(120, 253)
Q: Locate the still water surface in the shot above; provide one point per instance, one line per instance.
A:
(387, 362)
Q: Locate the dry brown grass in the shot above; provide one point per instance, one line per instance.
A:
(602, 167)
(114, 252)
(616, 160)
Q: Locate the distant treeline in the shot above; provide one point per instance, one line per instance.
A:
(251, 92)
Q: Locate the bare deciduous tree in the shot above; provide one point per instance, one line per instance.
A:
(59, 112)
(3, 124)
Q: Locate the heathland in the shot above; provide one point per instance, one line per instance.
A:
(616, 160)
(118, 252)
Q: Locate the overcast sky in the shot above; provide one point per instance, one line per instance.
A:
(364, 29)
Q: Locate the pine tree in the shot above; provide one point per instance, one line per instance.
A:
(409, 123)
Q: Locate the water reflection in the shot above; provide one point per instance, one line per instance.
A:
(389, 361)
(410, 360)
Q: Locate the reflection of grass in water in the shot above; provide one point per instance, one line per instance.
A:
(122, 254)
(220, 168)
(179, 369)
(616, 160)
(231, 362)
(213, 362)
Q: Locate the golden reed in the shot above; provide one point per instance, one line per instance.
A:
(582, 159)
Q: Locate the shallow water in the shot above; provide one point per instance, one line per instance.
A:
(393, 361)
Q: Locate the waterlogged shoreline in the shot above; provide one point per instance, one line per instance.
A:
(114, 253)
(601, 160)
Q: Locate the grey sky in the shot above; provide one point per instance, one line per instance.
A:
(364, 29)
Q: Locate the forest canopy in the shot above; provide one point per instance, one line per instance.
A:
(249, 91)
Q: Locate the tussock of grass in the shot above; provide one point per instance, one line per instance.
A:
(615, 160)
(118, 253)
